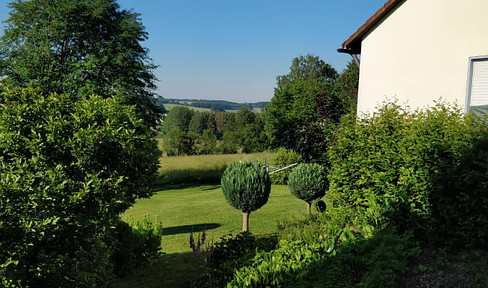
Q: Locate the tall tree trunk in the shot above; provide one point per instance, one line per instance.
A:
(245, 221)
(309, 208)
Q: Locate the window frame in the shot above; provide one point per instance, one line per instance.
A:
(469, 85)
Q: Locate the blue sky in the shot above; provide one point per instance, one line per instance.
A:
(233, 50)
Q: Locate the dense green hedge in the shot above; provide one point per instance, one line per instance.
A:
(426, 171)
(67, 170)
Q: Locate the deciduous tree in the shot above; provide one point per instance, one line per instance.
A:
(178, 118)
(78, 48)
(307, 67)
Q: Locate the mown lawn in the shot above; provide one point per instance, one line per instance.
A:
(187, 209)
(183, 210)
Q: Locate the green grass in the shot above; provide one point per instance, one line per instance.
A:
(206, 169)
(201, 208)
(171, 106)
(187, 209)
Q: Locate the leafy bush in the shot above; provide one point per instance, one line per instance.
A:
(231, 253)
(374, 262)
(424, 171)
(284, 157)
(273, 269)
(67, 170)
(308, 182)
(136, 243)
(246, 187)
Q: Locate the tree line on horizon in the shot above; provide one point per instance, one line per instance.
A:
(213, 105)
(188, 132)
(307, 105)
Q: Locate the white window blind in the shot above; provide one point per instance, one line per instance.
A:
(479, 83)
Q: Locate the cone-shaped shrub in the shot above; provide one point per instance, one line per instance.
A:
(308, 182)
(246, 187)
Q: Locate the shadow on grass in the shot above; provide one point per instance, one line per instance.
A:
(191, 175)
(190, 228)
(157, 186)
(170, 270)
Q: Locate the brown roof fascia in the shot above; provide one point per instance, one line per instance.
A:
(354, 42)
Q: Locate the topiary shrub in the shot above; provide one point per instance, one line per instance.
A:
(246, 187)
(308, 182)
(67, 170)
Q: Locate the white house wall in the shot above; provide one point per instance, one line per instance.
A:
(420, 53)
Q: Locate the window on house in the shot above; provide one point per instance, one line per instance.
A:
(477, 98)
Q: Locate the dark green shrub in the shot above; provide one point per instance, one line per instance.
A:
(136, 243)
(284, 157)
(246, 187)
(424, 171)
(308, 182)
(67, 170)
(231, 253)
(274, 268)
(375, 262)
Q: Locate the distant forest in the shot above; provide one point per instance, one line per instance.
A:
(214, 105)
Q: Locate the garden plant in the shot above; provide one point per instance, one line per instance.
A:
(308, 182)
(246, 187)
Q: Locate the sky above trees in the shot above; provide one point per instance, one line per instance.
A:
(233, 50)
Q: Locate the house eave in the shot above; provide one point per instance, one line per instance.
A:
(353, 44)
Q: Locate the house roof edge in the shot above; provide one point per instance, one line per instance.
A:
(354, 42)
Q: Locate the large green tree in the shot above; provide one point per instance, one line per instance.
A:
(79, 47)
(307, 104)
(178, 118)
(307, 67)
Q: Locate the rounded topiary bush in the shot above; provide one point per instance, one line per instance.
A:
(308, 182)
(246, 187)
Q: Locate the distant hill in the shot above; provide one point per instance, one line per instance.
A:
(213, 105)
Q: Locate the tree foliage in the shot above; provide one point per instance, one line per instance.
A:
(348, 84)
(284, 157)
(68, 169)
(78, 48)
(198, 123)
(307, 67)
(308, 182)
(178, 118)
(303, 113)
(192, 132)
